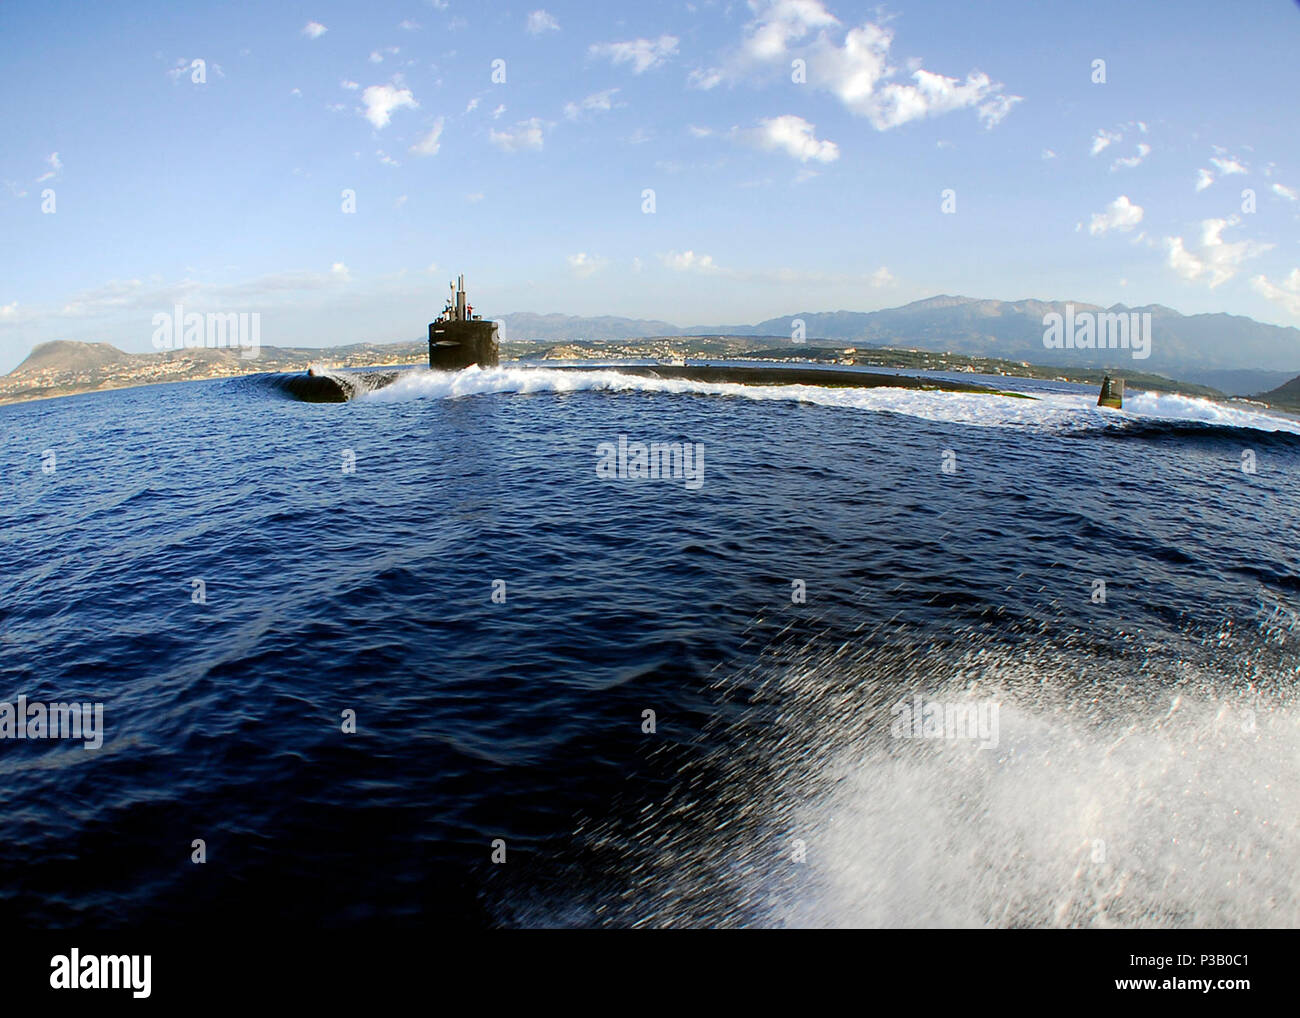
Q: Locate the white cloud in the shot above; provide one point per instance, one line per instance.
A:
(852, 65)
(855, 71)
(1103, 139)
(1128, 162)
(1287, 294)
(540, 21)
(780, 23)
(1181, 260)
(1229, 165)
(1121, 214)
(409, 26)
(993, 111)
(793, 136)
(376, 57)
(428, 145)
(882, 277)
(55, 165)
(314, 30)
(1282, 191)
(689, 261)
(386, 159)
(704, 79)
(527, 134)
(584, 265)
(496, 113)
(1048, 154)
(1204, 178)
(351, 86)
(601, 102)
(1215, 260)
(119, 295)
(382, 100)
(642, 54)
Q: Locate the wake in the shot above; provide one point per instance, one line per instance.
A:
(1172, 801)
(1053, 412)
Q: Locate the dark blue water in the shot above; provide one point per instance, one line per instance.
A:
(1159, 724)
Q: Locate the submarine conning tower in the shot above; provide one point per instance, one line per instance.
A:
(1112, 393)
(459, 338)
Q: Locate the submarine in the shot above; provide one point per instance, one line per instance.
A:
(460, 339)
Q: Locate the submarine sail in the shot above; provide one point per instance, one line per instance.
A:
(459, 338)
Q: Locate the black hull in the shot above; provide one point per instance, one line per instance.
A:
(454, 345)
(334, 387)
(341, 386)
(830, 377)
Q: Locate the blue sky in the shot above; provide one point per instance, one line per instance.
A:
(771, 195)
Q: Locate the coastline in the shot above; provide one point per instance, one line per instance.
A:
(812, 365)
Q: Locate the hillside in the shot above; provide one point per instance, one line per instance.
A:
(63, 355)
(66, 367)
(1286, 396)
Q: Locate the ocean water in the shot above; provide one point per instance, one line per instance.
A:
(228, 571)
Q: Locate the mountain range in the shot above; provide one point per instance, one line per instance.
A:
(1230, 352)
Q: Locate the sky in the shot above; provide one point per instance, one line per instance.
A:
(332, 166)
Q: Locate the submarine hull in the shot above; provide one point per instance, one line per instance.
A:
(331, 386)
(458, 344)
(341, 386)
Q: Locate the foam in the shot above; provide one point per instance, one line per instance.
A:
(1161, 804)
(1049, 412)
(1183, 819)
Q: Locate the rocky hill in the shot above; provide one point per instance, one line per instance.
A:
(64, 367)
(62, 356)
(1286, 396)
